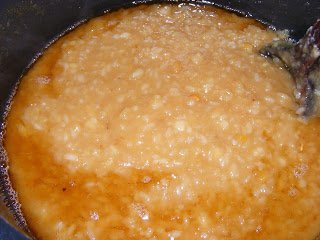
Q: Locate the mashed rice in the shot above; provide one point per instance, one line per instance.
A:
(163, 122)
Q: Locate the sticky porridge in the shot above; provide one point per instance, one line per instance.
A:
(163, 122)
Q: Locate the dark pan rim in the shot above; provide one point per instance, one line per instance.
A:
(7, 193)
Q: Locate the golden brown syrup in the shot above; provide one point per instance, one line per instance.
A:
(117, 133)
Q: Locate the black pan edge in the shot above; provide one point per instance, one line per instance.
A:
(9, 196)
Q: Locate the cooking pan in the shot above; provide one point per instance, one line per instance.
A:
(27, 27)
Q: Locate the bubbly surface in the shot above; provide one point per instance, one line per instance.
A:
(163, 122)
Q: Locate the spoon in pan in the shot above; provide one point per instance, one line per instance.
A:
(302, 59)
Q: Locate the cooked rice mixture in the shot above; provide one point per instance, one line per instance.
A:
(163, 122)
